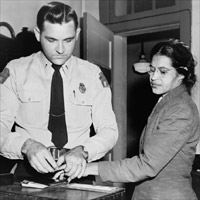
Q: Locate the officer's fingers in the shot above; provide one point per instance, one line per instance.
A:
(44, 164)
(62, 176)
(80, 167)
(61, 160)
(48, 163)
(71, 167)
(77, 168)
(37, 165)
(41, 158)
(77, 172)
(83, 168)
(58, 174)
(68, 167)
(62, 167)
(47, 155)
(67, 159)
(70, 161)
(78, 162)
(34, 166)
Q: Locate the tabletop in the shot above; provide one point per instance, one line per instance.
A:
(62, 191)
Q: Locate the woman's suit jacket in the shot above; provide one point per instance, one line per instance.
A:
(167, 149)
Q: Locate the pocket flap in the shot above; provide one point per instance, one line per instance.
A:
(31, 96)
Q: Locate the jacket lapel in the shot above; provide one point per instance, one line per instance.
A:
(156, 113)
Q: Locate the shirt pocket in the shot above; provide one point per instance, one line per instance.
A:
(33, 107)
(31, 96)
(81, 99)
(80, 109)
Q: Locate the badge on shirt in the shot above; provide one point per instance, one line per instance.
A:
(103, 79)
(4, 75)
(82, 88)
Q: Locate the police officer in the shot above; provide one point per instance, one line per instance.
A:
(26, 93)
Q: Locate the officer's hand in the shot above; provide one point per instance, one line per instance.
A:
(74, 162)
(38, 156)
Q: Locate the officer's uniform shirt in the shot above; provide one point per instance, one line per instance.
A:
(25, 99)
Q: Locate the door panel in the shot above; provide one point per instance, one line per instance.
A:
(103, 48)
(109, 51)
(97, 42)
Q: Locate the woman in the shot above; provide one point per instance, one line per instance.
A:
(168, 142)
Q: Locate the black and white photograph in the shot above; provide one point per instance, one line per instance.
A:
(100, 99)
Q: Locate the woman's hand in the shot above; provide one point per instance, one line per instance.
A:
(91, 169)
(72, 163)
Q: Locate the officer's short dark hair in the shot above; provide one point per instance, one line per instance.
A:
(56, 13)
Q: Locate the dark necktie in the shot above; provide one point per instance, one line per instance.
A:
(57, 124)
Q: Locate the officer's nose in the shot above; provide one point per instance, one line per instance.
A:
(60, 48)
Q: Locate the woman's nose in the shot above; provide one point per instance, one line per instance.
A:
(155, 75)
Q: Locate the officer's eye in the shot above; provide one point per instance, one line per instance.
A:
(68, 40)
(51, 40)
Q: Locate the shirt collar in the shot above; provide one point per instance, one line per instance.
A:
(46, 63)
(67, 66)
(43, 60)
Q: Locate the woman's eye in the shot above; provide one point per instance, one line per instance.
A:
(163, 71)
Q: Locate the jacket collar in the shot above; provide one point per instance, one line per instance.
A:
(176, 92)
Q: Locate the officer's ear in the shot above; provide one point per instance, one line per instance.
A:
(78, 30)
(37, 33)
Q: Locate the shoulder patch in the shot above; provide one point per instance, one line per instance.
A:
(103, 80)
(4, 75)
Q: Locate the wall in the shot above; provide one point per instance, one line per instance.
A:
(22, 13)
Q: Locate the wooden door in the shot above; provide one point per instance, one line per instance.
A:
(102, 47)
(98, 44)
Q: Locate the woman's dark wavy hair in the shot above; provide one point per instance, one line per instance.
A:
(182, 60)
(56, 13)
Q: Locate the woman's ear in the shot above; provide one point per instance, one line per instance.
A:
(181, 77)
(37, 33)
